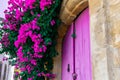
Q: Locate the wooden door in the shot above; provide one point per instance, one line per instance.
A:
(79, 59)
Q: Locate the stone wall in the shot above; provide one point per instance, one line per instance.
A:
(105, 39)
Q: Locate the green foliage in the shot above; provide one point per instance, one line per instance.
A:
(49, 36)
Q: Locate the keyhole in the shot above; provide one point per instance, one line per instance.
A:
(68, 68)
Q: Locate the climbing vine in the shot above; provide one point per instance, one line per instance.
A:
(29, 35)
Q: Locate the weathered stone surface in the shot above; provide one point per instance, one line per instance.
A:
(105, 39)
(98, 40)
(114, 16)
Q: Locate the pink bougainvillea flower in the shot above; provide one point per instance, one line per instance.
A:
(42, 73)
(50, 75)
(12, 27)
(53, 75)
(16, 66)
(36, 48)
(34, 25)
(10, 21)
(38, 15)
(5, 40)
(30, 79)
(22, 69)
(21, 59)
(18, 14)
(45, 3)
(29, 68)
(5, 27)
(36, 55)
(36, 38)
(19, 52)
(20, 55)
(29, 4)
(29, 33)
(5, 58)
(34, 62)
(39, 74)
(16, 43)
(16, 73)
(52, 22)
(44, 48)
(5, 11)
(32, 12)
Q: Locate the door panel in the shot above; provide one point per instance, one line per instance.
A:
(67, 56)
(82, 47)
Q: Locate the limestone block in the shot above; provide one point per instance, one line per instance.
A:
(105, 35)
(98, 40)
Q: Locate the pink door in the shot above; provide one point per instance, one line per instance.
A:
(76, 51)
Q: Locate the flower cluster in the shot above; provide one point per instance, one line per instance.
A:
(29, 36)
(45, 3)
(5, 41)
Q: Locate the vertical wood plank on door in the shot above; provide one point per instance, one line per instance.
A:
(83, 61)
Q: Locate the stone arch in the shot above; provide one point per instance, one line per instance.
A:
(69, 11)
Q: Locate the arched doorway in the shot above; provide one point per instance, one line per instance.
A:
(76, 51)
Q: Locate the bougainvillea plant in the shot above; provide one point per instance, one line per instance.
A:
(29, 35)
